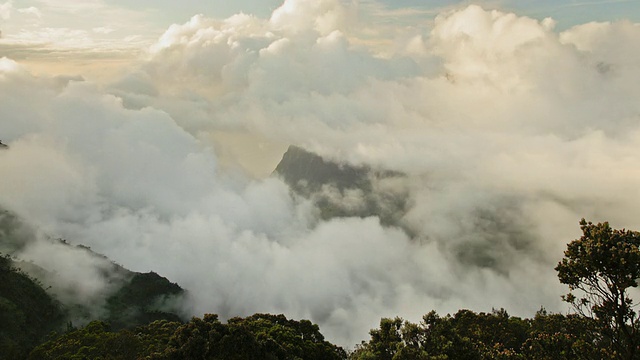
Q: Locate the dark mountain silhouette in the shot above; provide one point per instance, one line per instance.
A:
(32, 304)
(344, 190)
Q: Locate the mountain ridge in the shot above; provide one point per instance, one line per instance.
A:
(29, 289)
(344, 190)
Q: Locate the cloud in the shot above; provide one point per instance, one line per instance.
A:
(589, 3)
(5, 10)
(103, 30)
(324, 16)
(32, 10)
(46, 36)
(508, 131)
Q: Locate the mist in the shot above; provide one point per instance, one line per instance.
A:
(508, 132)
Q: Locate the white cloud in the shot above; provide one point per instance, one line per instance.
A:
(34, 11)
(509, 132)
(5, 10)
(103, 30)
(324, 16)
(62, 35)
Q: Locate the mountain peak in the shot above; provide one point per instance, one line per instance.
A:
(305, 171)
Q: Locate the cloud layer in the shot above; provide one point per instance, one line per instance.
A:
(510, 132)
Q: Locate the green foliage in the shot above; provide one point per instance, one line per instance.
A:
(602, 266)
(145, 298)
(27, 312)
(133, 304)
(470, 335)
(97, 341)
(261, 336)
(560, 337)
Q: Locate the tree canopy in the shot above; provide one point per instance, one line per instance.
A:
(27, 312)
(469, 335)
(260, 336)
(600, 268)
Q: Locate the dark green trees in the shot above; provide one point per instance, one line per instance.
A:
(601, 267)
(98, 341)
(141, 300)
(260, 337)
(27, 312)
(465, 335)
(469, 336)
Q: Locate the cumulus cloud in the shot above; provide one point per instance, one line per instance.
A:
(324, 16)
(5, 10)
(508, 132)
(32, 10)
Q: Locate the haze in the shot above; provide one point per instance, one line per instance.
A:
(150, 134)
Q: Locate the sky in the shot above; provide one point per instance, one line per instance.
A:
(148, 131)
(62, 35)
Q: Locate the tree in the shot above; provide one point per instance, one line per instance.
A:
(602, 266)
(27, 312)
(260, 336)
(562, 337)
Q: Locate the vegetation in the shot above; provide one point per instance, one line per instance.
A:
(601, 268)
(29, 315)
(27, 312)
(142, 300)
(98, 341)
(260, 336)
(470, 335)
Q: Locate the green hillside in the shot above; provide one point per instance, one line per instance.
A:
(31, 308)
